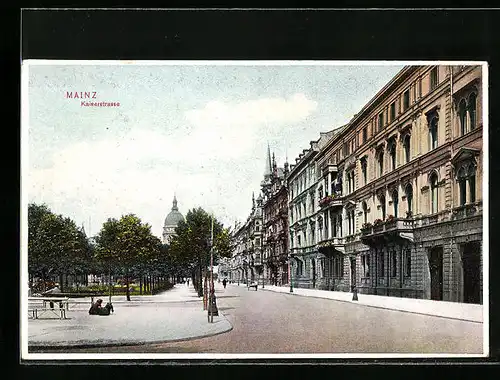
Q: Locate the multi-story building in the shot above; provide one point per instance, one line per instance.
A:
(246, 261)
(405, 173)
(306, 224)
(275, 212)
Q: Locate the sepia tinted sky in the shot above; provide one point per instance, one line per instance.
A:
(199, 131)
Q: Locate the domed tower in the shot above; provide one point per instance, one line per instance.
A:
(171, 221)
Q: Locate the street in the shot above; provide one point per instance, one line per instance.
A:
(269, 322)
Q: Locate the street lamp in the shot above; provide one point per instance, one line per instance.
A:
(290, 271)
(212, 304)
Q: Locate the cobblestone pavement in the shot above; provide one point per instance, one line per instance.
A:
(271, 322)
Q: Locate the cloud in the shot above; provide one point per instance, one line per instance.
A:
(207, 166)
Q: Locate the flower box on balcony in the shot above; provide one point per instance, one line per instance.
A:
(378, 222)
(326, 200)
(389, 218)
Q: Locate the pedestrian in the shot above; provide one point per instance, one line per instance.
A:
(188, 282)
(224, 282)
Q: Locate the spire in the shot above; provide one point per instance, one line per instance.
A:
(174, 204)
(253, 200)
(268, 170)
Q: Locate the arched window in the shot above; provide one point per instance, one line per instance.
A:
(395, 202)
(472, 183)
(365, 212)
(433, 132)
(392, 151)
(382, 206)
(462, 186)
(472, 110)
(434, 193)
(407, 144)
(381, 163)
(462, 116)
(409, 200)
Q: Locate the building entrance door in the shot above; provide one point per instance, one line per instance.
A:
(436, 272)
(471, 262)
(313, 265)
(353, 273)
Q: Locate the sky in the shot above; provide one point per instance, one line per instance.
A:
(199, 131)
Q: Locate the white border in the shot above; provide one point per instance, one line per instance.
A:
(24, 207)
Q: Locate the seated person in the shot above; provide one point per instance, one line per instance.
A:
(97, 309)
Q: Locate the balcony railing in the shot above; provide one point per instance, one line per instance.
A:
(332, 242)
(395, 224)
(468, 210)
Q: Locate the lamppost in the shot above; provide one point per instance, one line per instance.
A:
(290, 271)
(354, 288)
(212, 304)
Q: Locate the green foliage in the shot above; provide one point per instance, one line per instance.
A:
(191, 247)
(55, 244)
(127, 244)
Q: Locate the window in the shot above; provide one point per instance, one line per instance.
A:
(409, 201)
(365, 134)
(472, 111)
(380, 121)
(395, 202)
(462, 185)
(407, 264)
(367, 273)
(257, 241)
(406, 100)
(407, 144)
(381, 163)
(472, 188)
(434, 78)
(434, 193)
(298, 241)
(381, 264)
(365, 212)
(363, 170)
(393, 111)
(392, 152)
(462, 117)
(433, 131)
(394, 266)
(382, 206)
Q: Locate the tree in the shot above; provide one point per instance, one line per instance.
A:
(56, 246)
(126, 243)
(190, 248)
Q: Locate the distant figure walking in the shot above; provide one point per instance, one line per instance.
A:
(188, 282)
(224, 282)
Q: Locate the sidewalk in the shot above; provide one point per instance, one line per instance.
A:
(452, 310)
(174, 315)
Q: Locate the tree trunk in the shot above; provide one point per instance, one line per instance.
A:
(140, 284)
(61, 282)
(127, 284)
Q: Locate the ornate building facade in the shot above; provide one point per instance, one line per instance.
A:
(275, 213)
(173, 218)
(312, 265)
(405, 218)
(246, 261)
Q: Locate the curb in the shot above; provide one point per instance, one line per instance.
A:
(379, 307)
(38, 347)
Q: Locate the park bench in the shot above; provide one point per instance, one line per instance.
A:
(252, 284)
(38, 306)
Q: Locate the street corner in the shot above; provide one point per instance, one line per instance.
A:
(161, 326)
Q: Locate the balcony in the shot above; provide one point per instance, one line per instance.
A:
(467, 211)
(334, 243)
(329, 168)
(389, 230)
(330, 200)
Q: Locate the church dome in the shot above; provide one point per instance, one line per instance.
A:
(174, 216)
